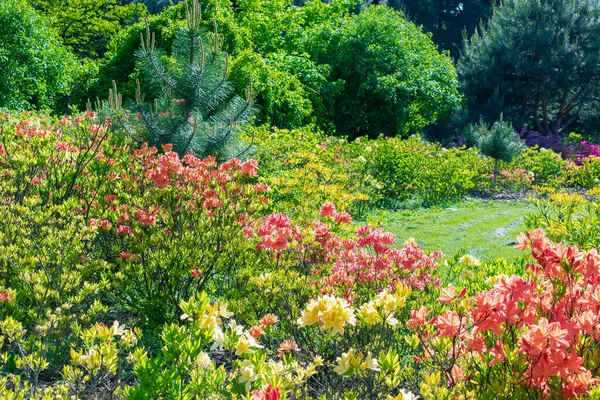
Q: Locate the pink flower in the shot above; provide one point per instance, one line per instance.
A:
(124, 230)
(260, 187)
(146, 218)
(342, 217)
(327, 210)
(250, 167)
(127, 256)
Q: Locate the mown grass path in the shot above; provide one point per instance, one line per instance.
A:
(486, 229)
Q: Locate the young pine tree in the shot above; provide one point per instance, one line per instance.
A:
(195, 108)
(500, 143)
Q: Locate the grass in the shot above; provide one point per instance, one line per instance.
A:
(487, 230)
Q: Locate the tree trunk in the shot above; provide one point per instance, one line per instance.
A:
(496, 164)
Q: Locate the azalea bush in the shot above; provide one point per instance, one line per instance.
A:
(532, 336)
(584, 175)
(169, 227)
(544, 164)
(127, 271)
(50, 288)
(306, 169)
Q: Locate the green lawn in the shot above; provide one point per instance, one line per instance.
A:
(486, 229)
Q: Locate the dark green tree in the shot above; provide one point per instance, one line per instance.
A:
(36, 71)
(501, 142)
(447, 20)
(194, 107)
(394, 79)
(537, 61)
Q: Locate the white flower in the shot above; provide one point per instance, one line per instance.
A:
(236, 329)
(406, 395)
(203, 360)
(247, 374)
(218, 338)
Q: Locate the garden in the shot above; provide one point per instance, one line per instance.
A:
(273, 199)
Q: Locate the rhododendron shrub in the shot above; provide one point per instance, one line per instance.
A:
(536, 336)
(169, 227)
(348, 265)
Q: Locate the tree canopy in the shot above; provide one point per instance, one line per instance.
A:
(36, 71)
(537, 61)
(394, 79)
(88, 25)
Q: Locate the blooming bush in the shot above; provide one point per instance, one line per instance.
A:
(177, 226)
(516, 180)
(544, 164)
(306, 169)
(100, 237)
(533, 336)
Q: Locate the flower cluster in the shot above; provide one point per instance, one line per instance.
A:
(330, 312)
(384, 306)
(543, 328)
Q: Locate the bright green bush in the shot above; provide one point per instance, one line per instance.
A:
(426, 172)
(36, 71)
(586, 175)
(394, 79)
(52, 289)
(306, 169)
(568, 218)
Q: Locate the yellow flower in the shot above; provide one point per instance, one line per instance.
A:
(203, 360)
(469, 261)
(331, 312)
(245, 344)
(368, 314)
(344, 362)
(223, 312)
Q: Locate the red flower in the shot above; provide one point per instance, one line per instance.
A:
(105, 224)
(196, 273)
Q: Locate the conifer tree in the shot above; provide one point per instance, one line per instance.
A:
(501, 142)
(194, 107)
(535, 61)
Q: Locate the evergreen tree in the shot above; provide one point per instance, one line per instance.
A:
(447, 20)
(195, 108)
(501, 142)
(537, 61)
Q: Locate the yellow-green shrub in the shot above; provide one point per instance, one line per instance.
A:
(306, 169)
